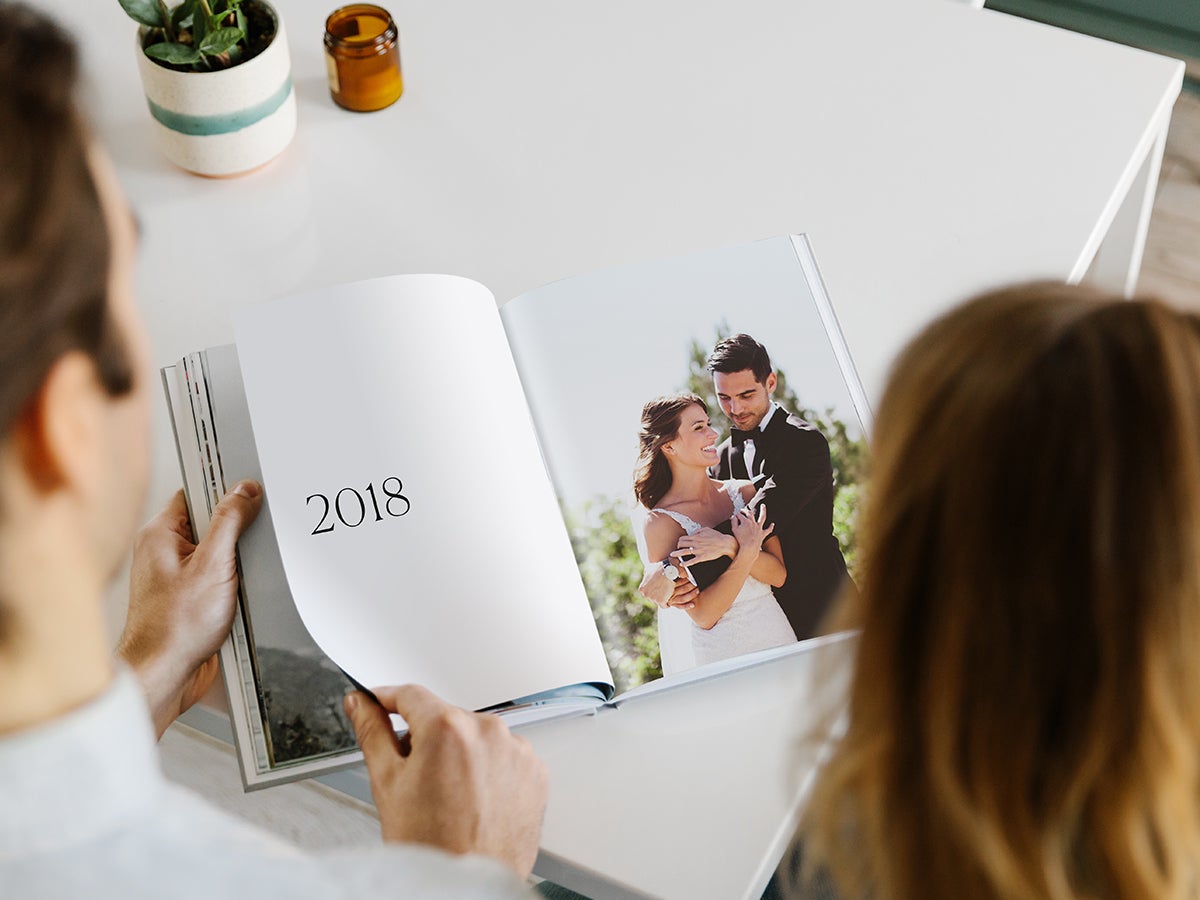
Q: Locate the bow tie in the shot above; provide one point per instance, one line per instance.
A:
(740, 437)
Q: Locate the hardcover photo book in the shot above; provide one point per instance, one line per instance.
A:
(450, 488)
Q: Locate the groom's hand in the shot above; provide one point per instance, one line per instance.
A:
(664, 592)
(656, 586)
(684, 595)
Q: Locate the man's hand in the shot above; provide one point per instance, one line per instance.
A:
(461, 781)
(182, 597)
(663, 592)
(706, 544)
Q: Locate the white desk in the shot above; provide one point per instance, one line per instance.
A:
(929, 149)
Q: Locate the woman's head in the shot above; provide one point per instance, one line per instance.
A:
(1024, 714)
(664, 431)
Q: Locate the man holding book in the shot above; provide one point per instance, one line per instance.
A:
(86, 810)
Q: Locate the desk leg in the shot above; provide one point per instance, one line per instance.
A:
(1118, 262)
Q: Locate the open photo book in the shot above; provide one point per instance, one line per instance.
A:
(449, 487)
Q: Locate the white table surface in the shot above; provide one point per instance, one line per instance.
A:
(929, 149)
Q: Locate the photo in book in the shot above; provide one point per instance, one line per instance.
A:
(587, 377)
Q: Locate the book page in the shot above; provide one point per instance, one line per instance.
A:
(297, 689)
(593, 349)
(415, 520)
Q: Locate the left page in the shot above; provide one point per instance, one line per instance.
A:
(416, 524)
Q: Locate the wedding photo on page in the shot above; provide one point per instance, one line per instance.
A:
(486, 502)
(615, 363)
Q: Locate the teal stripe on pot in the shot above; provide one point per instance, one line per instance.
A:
(221, 123)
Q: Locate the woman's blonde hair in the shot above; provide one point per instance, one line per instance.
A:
(1024, 713)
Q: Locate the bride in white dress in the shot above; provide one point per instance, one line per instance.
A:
(737, 613)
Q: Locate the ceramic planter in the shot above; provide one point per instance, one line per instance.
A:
(225, 122)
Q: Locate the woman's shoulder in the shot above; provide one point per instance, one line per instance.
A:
(661, 520)
(661, 531)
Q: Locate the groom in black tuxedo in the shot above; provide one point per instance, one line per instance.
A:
(768, 441)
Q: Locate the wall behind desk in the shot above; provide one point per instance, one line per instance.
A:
(1171, 27)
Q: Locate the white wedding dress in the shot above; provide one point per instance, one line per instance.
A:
(753, 622)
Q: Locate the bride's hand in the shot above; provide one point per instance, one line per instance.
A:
(706, 544)
(749, 531)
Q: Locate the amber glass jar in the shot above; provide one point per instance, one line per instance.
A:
(362, 57)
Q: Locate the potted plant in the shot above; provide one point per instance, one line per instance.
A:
(217, 79)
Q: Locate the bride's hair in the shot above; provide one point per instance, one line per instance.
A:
(660, 425)
(1024, 709)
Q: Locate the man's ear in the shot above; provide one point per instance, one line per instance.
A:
(770, 383)
(56, 437)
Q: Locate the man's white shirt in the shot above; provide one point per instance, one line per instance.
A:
(87, 812)
(748, 449)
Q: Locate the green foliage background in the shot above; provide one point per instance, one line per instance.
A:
(606, 549)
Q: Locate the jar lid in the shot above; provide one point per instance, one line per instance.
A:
(359, 26)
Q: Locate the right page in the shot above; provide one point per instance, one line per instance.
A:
(593, 351)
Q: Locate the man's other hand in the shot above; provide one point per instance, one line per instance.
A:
(459, 781)
(182, 597)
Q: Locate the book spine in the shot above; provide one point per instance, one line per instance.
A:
(195, 382)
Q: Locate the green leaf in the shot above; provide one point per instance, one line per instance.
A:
(175, 54)
(144, 12)
(200, 24)
(183, 13)
(220, 41)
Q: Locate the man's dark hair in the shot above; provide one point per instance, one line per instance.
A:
(739, 352)
(54, 245)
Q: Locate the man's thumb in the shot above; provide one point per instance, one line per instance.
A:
(373, 728)
(231, 517)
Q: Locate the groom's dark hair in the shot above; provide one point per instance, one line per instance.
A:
(739, 352)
